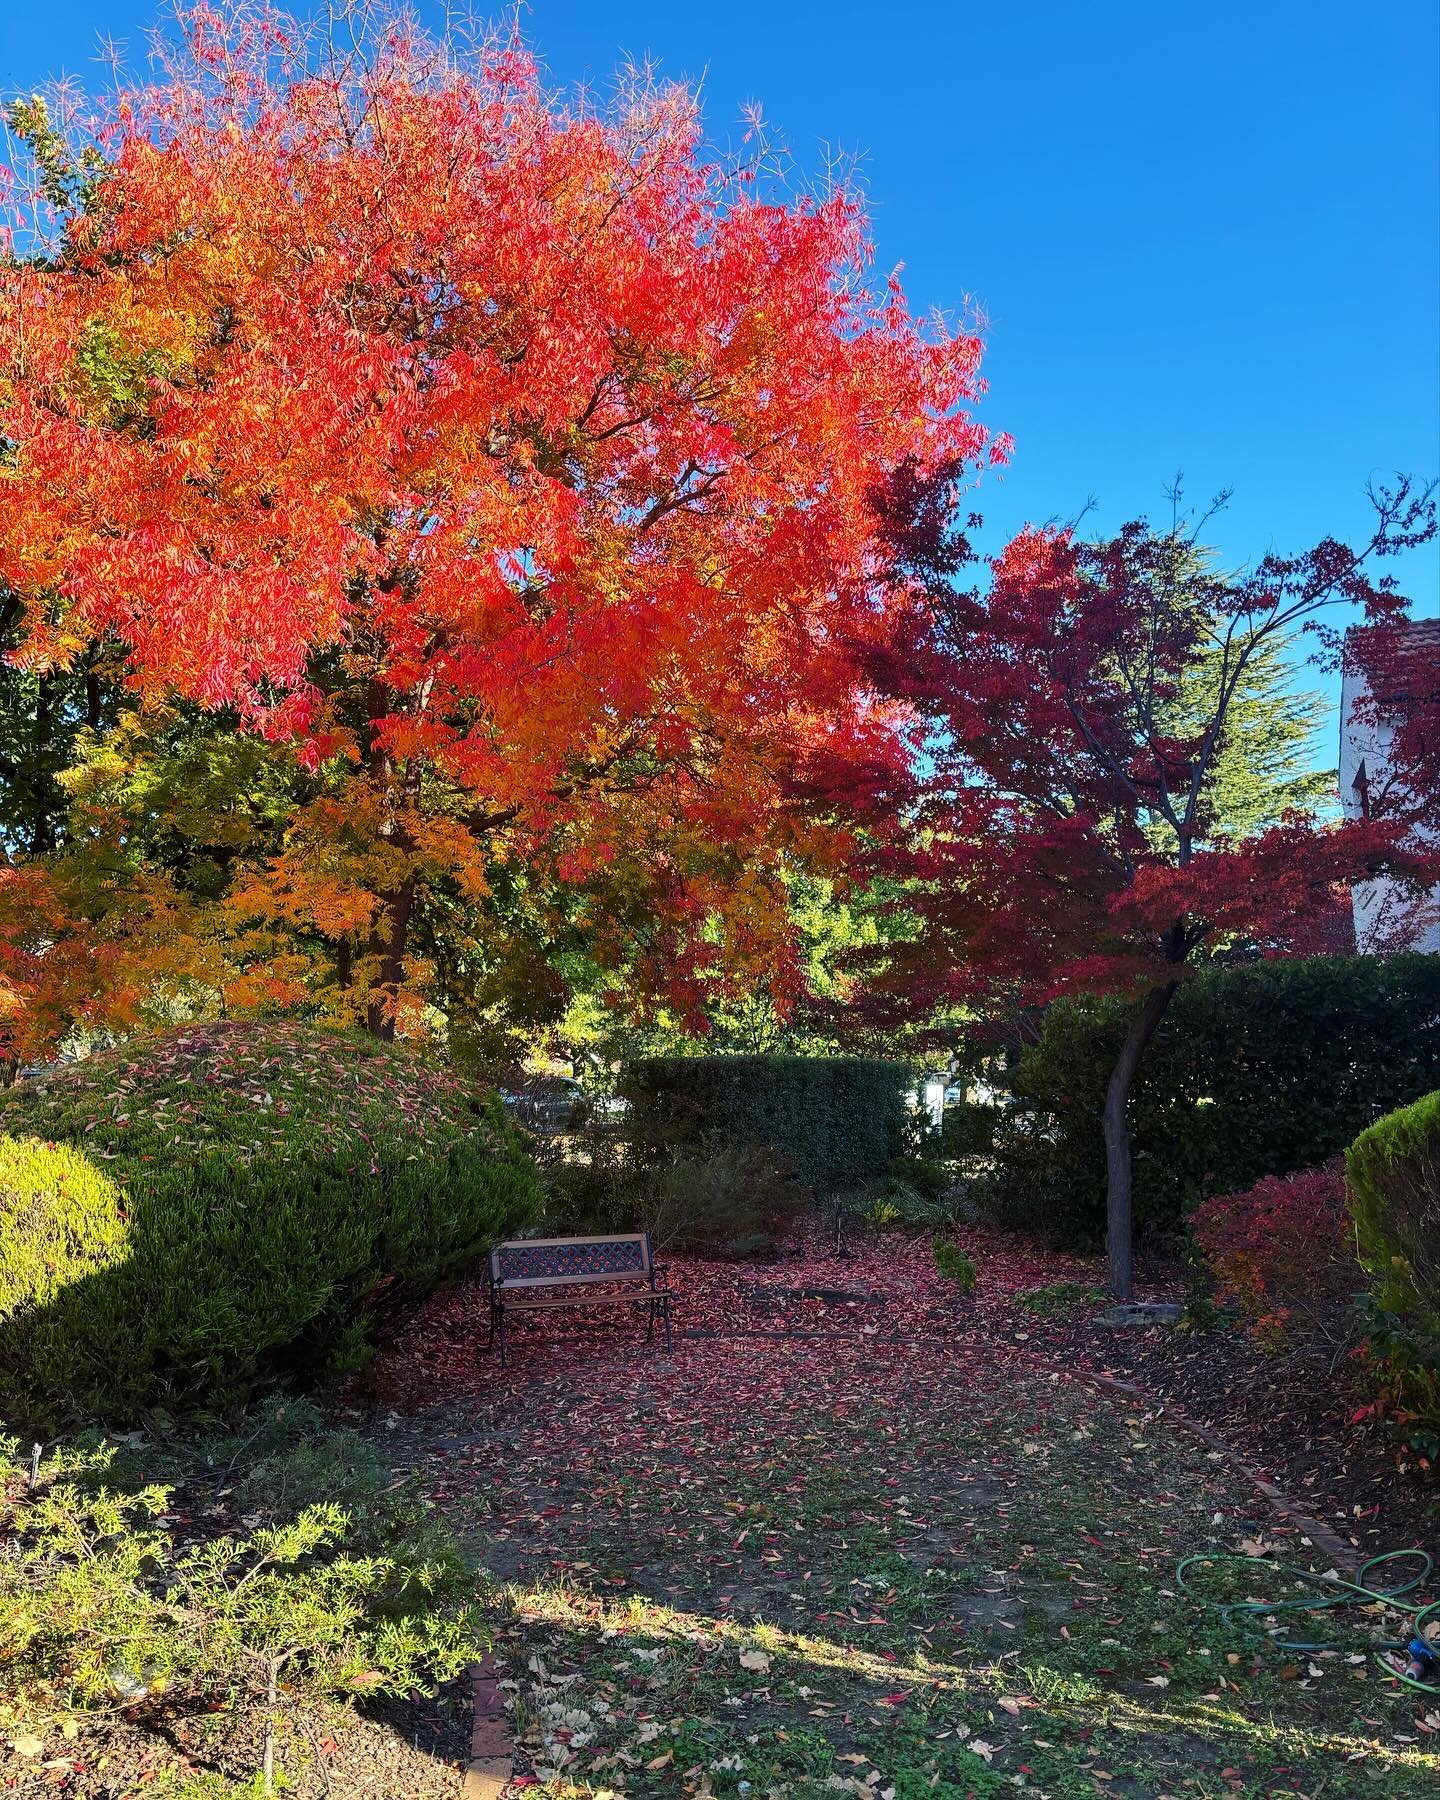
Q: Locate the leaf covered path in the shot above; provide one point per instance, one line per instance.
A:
(890, 1555)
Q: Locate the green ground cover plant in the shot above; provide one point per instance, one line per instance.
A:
(224, 1581)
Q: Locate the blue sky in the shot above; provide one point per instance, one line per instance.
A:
(1206, 235)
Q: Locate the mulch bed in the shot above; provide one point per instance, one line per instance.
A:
(1290, 1414)
(418, 1748)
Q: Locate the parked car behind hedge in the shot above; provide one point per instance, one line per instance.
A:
(196, 1215)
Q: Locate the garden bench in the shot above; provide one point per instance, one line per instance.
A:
(522, 1268)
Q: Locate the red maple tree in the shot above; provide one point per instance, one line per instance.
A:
(1072, 841)
(1398, 661)
(509, 462)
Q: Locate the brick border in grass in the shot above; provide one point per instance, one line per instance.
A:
(492, 1749)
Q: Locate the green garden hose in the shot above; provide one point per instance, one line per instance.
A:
(1334, 1590)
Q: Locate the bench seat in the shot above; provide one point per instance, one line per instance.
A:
(577, 1300)
(544, 1274)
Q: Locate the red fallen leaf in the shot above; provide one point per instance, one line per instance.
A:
(893, 1699)
(367, 1678)
(328, 1746)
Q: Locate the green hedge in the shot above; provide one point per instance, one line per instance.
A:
(835, 1121)
(237, 1204)
(1392, 1187)
(1392, 1183)
(1256, 1070)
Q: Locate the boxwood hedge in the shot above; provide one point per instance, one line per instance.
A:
(228, 1205)
(1258, 1069)
(1392, 1184)
(835, 1121)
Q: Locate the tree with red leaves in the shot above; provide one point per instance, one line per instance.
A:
(1088, 701)
(505, 465)
(1399, 658)
(1391, 698)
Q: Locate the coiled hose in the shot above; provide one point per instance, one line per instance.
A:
(1333, 1590)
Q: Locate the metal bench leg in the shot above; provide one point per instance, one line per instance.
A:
(500, 1322)
(665, 1309)
(650, 1328)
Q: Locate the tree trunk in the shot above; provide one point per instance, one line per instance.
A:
(40, 833)
(1117, 1138)
(391, 944)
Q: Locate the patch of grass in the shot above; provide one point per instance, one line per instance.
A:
(1061, 1299)
(827, 1572)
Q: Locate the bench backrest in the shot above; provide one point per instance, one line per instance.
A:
(551, 1262)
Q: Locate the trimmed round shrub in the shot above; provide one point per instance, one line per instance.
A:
(258, 1201)
(1392, 1178)
(61, 1224)
(60, 1219)
(1392, 1182)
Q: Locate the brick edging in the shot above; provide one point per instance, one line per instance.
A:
(1319, 1533)
(492, 1748)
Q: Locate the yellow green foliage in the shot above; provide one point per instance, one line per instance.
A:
(60, 1218)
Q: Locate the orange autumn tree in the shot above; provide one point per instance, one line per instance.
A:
(507, 468)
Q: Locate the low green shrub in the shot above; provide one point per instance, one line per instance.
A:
(155, 1597)
(255, 1200)
(1061, 1299)
(721, 1199)
(894, 1204)
(591, 1183)
(1259, 1069)
(954, 1264)
(1392, 1184)
(968, 1128)
(925, 1175)
(834, 1122)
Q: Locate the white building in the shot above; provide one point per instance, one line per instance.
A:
(1386, 916)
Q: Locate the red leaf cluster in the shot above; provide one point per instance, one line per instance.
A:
(1280, 1250)
(512, 463)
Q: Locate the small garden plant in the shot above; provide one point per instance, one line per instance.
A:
(955, 1264)
(1061, 1299)
(323, 1578)
(1280, 1252)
